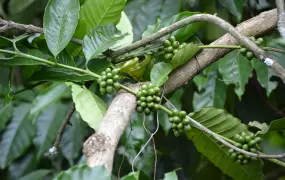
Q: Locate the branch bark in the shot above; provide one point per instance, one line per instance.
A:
(100, 147)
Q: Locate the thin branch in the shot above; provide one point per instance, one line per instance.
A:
(28, 87)
(63, 125)
(6, 25)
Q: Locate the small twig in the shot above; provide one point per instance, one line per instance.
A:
(63, 125)
(27, 28)
(28, 87)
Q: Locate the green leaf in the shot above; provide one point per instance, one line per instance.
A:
(183, 55)
(220, 122)
(170, 176)
(65, 58)
(132, 176)
(83, 172)
(17, 6)
(101, 39)
(276, 125)
(90, 106)
(143, 13)
(125, 27)
(235, 69)
(101, 12)
(73, 138)
(212, 93)
(36, 175)
(159, 73)
(263, 75)
(183, 33)
(22, 61)
(6, 114)
(60, 21)
(17, 137)
(234, 6)
(98, 65)
(48, 123)
(170, 8)
(23, 165)
(16, 39)
(58, 75)
(47, 97)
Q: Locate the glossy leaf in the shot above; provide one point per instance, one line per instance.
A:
(132, 176)
(101, 12)
(100, 39)
(83, 172)
(212, 93)
(47, 97)
(234, 6)
(21, 61)
(139, 14)
(263, 75)
(159, 73)
(60, 21)
(90, 106)
(125, 27)
(183, 55)
(235, 69)
(170, 8)
(6, 114)
(276, 125)
(73, 138)
(36, 175)
(65, 58)
(170, 176)
(47, 124)
(17, 136)
(98, 65)
(219, 121)
(58, 75)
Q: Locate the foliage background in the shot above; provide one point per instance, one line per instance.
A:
(38, 113)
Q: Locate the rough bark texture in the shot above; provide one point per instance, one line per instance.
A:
(256, 26)
(100, 147)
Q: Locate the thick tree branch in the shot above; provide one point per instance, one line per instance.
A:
(256, 26)
(99, 148)
(7, 25)
(280, 4)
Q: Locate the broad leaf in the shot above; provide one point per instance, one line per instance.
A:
(100, 39)
(219, 121)
(132, 176)
(170, 176)
(73, 138)
(143, 13)
(159, 73)
(263, 75)
(170, 8)
(17, 136)
(183, 55)
(125, 27)
(83, 172)
(48, 124)
(90, 106)
(36, 175)
(212, 93)
(234, 6)
(23, 165)
(58, 75)
(101, 12)
(65, 58)
(98, 65)
(60, 21)
(276, 125)
(6, 114)
(47, 97)
(235, 69)
(22, 61)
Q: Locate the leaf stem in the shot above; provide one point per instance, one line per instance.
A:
(128, 89)
(276, 161)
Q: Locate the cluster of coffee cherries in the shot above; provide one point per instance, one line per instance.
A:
(248, 142)
(148, 99)
(109, 81)
(179, 122)
(171, 46)
(248, 54)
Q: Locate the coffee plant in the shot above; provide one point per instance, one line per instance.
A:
(141, 89)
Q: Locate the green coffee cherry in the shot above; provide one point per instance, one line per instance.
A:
(243, 50)
(175, 44)
(167, 43)
(169, 49)
(108, 81)
(168, 56)
(172, 39)
(249, 55)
